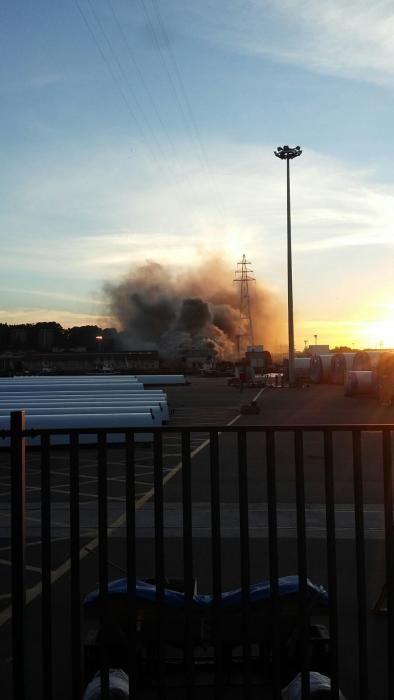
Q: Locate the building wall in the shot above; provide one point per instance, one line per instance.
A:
(82, 362)
(319, 349)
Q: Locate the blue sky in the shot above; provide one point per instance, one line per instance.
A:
(145, 129)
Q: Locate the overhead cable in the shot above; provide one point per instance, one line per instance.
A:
(141, 76)
(124, 75)
(114, 77)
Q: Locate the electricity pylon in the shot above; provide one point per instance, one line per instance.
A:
(244, 275)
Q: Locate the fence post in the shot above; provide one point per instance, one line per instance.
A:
(18, 537)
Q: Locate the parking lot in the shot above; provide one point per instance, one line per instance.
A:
(209, 402)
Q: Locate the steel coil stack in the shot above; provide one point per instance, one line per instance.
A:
(340, 364)
(321, 368)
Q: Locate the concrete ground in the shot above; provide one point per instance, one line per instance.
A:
(210, 402)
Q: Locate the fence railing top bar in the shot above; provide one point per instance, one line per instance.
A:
(343, 427)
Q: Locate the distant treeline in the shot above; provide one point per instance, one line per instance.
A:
(51, 336)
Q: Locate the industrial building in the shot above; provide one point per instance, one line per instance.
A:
(71, 362)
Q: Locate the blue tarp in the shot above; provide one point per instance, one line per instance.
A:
(259, 592)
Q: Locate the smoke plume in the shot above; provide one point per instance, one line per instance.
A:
(189, 313)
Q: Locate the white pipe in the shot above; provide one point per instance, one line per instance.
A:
(156, 411)
(77, 421)
(107, 391)
(62, 388)
(70, 380)
(33, 381)
(75, 398)
(72, 401)
(160, 411)
(81, 398)
(47, 406)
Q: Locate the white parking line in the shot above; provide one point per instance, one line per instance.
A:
(35, 569)
(81, 476)
(63, 569)
(35, 591)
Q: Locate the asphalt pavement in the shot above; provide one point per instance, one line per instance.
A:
(210, 402)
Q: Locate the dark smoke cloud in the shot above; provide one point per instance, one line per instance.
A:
(193, 313)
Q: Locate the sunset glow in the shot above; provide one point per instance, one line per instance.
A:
(91, 192)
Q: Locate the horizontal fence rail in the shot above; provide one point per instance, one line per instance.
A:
(209, 561)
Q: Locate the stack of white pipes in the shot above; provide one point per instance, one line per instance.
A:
(83, 402)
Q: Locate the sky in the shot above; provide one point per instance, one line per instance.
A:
(137, 130)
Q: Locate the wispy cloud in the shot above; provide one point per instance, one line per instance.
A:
(126, 215)
(63, 296)
(39, 314)
(342, 37)
(116, 220)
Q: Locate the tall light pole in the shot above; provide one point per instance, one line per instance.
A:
(286, 153)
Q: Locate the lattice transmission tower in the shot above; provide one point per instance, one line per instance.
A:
(244, 275)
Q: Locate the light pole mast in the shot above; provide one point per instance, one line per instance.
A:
(286, 153)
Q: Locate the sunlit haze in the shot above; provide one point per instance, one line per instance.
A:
(145, 131)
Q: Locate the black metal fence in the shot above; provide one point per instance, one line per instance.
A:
(251, 648)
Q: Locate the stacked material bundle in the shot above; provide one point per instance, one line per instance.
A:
(341, 362)
(368, 359)
(80, 404)
(83, 402)
(76, 421)
(360, 382)
(385, 378)
(302, 368)
(321, 369)
(42, 384)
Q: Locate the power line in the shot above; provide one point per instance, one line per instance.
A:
(181, 87)
(179, 79)
(177, 86)
(164, 63)
(114, 76)
(124, 75)
(141, 75)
